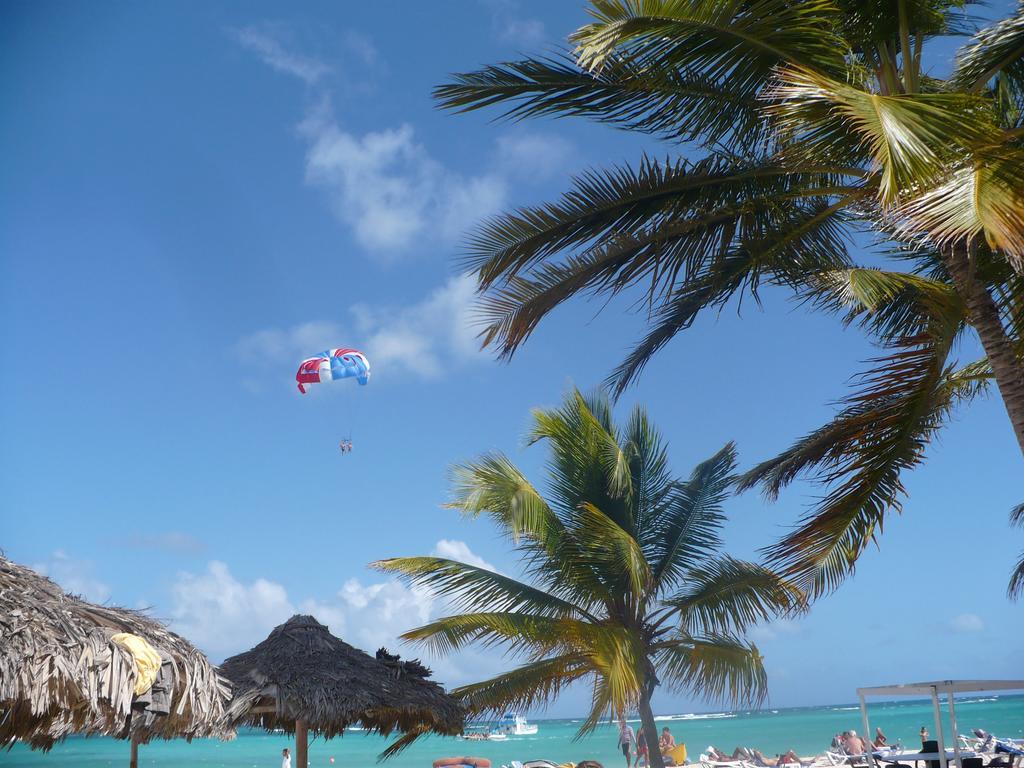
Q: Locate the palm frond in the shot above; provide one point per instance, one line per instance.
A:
(890, 305)
(623, 202)
(471, 588)
(861, 456)
(669, 104)
(912, 138)
(808, 236)
(610, 550)
(982, 197)
(577, 434)
(996, 52)
(1016, 587)
(494, 486)
(719, 667)
(726, 594)
(744, 41)
(689, 525)
(528, 687)
(656, 225)
(402, 743)
(524, 634)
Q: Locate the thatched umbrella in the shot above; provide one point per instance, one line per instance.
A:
(303, 678)
(60, 673)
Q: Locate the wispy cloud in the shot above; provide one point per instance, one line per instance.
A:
(512, 26)
(967, 623)
(388, 188)
(265, 43)
(771, 630)
(174, 542)
(421, 337)
(533, 156)
(75, 576)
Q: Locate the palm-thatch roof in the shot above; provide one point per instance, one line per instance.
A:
(302, 672)
(60, 673)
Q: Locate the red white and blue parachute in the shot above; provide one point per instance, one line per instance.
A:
(343, 363)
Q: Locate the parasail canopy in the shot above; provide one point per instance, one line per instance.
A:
(341, 363)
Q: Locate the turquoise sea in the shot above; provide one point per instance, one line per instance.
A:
(808, 730)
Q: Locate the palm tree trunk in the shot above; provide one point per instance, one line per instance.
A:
(983, 315)
(654, 758)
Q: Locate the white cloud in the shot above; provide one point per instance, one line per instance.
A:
(452, 549)
(514, 28)
(773, 629)
(967, 623)
(532, 156)
(389, 189)
(74, 576)
(224, 615)
(167, 541)
(265, 43)
(361, 47)
(421, 338)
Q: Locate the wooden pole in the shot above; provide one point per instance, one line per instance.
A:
(301, 744)
(134, 763)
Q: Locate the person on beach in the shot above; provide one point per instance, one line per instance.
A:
(626, 740)
(286, 758)
(924, 735)
(642, 751)
(790, 758)
(854, 744)
(666, 743)
(738, 754)
(880, 741)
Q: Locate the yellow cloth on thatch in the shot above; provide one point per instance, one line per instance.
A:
(147, 660)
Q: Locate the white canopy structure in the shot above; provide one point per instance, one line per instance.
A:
(933, 690)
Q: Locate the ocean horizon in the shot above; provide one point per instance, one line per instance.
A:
(807, 730)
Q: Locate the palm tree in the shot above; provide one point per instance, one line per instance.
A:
(802, 121)
(628, 586)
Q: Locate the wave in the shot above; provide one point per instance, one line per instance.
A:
(706, 716)
(845, 709)
(978, 701)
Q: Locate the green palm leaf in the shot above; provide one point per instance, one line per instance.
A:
(861, 455)
(997, 52)
(913, 138)
(610, 550)
(981, 198)
(693, 518)
(528, 634)
(714, 667)
(727, 593)
(744, 41)
(811, 232)
(668, 103)
(625, 202)
(492, 485)
(527, 687)
(471, 588)
(891, 305)
(1016, 586)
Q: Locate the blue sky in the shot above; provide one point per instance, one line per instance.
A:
(195, 197)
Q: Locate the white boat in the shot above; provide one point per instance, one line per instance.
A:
(512, 724)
